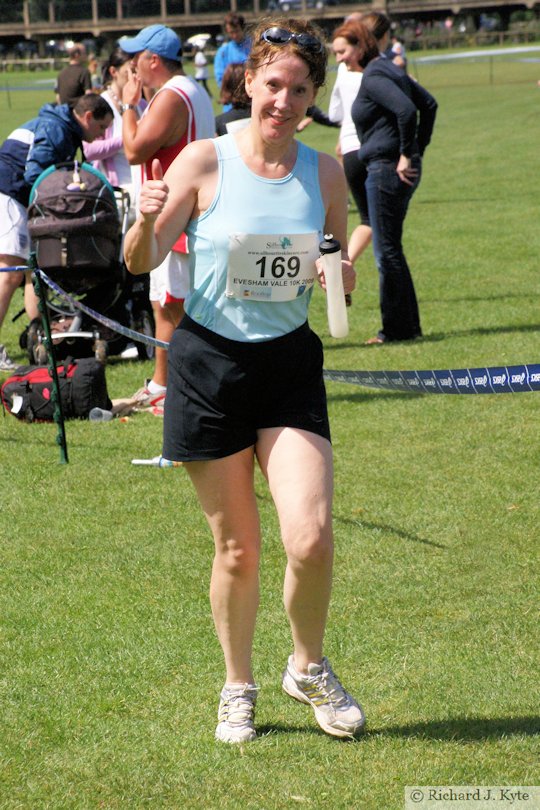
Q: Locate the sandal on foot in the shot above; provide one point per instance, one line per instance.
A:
(374, 341)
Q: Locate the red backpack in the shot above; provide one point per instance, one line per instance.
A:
(27, 394)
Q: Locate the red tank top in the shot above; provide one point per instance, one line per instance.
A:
(180, 85)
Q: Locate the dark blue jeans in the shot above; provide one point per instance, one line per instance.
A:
(388, 200)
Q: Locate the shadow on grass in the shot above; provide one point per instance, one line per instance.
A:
(349, 344)
(401, 533)
(509, 329)
(464, 300)
(434, 337)
(464, 728)
(271, 729)
(312, 731)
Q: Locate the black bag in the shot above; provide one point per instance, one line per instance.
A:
(27, 394)
(74, 223)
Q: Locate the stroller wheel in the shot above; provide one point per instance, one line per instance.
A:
(101, 350)
(145, 325)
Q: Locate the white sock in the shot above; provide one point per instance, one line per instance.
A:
(155, 388)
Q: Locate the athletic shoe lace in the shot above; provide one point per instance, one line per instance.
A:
(237, 707)
(325, 688)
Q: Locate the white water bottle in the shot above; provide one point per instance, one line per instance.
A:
(157, 461)
(330, 250)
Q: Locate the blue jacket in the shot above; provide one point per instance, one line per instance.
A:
(229, 53)
(53, 137)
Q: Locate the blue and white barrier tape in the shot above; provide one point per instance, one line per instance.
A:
(102, 319)
(493, 380)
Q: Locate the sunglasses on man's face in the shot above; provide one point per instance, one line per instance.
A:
(281, 36)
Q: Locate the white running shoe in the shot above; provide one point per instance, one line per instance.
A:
(145, 400)
(130, 352)
(237, 713)
(6, 363)
(336, 711)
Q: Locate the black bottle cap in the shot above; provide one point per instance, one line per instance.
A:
(329, 244)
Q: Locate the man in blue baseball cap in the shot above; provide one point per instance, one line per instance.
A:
(157, 39)
(179, 112)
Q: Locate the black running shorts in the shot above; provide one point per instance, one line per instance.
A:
(220, 391)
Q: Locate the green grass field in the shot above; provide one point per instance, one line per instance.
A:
(110, 670)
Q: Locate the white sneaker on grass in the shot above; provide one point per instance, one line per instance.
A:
(336, 711)
(6, 363)
(146, 400)
(236, 713)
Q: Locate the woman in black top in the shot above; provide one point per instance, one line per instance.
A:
(394, 118)
(232, 94)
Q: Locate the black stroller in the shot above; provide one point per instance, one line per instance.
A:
(77, 221)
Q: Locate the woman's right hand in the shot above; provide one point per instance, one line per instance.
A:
(405, 171)
(154, 193)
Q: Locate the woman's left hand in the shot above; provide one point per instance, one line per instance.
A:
(405, 171)
(348, 274)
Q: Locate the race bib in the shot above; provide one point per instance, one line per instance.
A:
(271, 268)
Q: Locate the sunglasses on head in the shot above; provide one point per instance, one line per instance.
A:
(281, 36)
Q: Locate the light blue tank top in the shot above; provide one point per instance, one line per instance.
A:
(247, 203)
